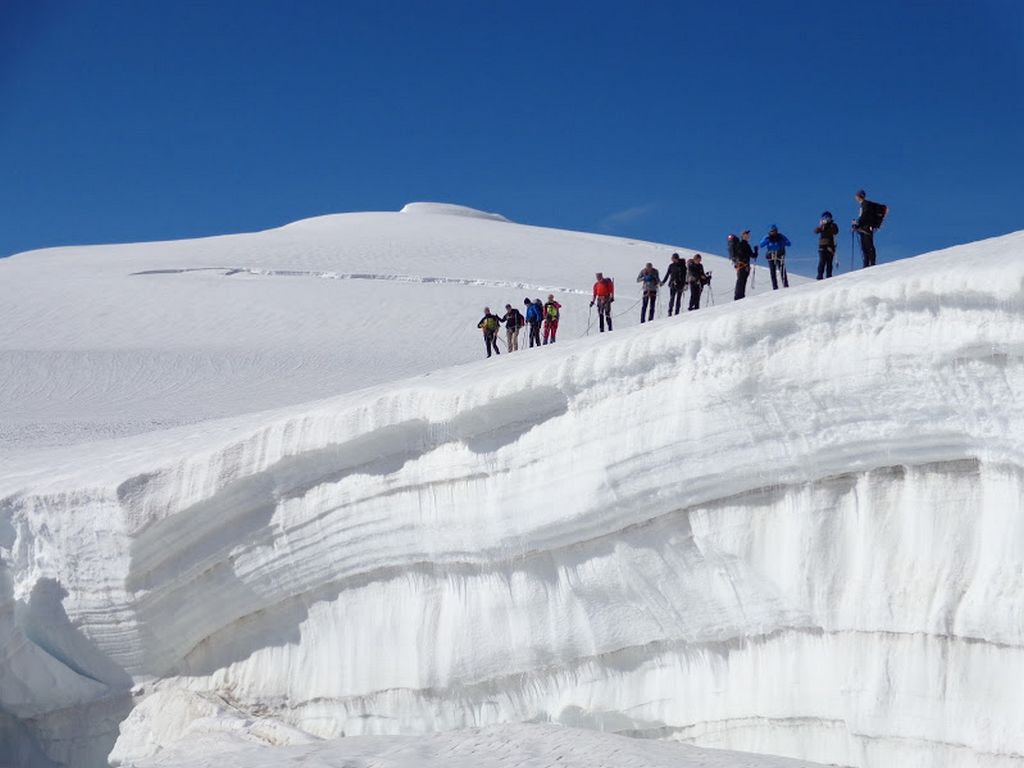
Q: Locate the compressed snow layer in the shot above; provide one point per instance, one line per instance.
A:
(106, 341)
(789, 525)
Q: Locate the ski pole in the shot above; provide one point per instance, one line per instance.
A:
(853, 236)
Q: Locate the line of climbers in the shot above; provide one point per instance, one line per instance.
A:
(678, 275)
(868, 221)
(681, 275)
(537, 315)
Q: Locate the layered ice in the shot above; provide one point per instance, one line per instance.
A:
(789, 525)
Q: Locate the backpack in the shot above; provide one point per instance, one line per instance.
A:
(552, 311)
(874, 214)
(734, 243)
(517, 320)
(491, 323)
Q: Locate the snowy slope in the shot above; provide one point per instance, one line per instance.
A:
(107, 341)
(220, 738)
(790, 525)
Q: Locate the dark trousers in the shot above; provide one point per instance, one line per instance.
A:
(651, 298)
(535, 334)
(867, 247)
(604, 313)
(778, 265)
(491, 340)
(742, 273)
(675, 297)
(825, 259)
(695, 291)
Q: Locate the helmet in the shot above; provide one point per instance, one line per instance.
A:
(826, 215)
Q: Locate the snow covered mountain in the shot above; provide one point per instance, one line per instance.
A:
(789, 525)
(108, 341)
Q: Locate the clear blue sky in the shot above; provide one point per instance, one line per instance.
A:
(125, 120)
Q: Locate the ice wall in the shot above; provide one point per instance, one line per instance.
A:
(791, 525)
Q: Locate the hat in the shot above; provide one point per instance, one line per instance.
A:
(861, 193)
(527, 301)
(826, 214)
(745, 232)
(773, 228)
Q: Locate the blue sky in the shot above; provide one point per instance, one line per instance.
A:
(125, 120)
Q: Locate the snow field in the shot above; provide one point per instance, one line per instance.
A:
(109, 341)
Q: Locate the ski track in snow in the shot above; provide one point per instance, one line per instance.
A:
(596, 540)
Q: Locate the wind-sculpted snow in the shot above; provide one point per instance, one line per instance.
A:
(791, 525)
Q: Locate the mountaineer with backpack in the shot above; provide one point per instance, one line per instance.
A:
(741, 255)
(489, 325)
(534, 317)
(776, 243)
(675, 276)
(604, 295)
(551, 313)
(697, 278)
(826, 231)
(870, 219)
(649, 280)
(513, 321)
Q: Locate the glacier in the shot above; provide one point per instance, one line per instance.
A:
(789, 525)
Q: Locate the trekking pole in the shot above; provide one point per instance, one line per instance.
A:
(853, 236)
(589, 321)
(753, 275)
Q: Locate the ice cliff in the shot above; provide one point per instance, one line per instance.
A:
(789, 525)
